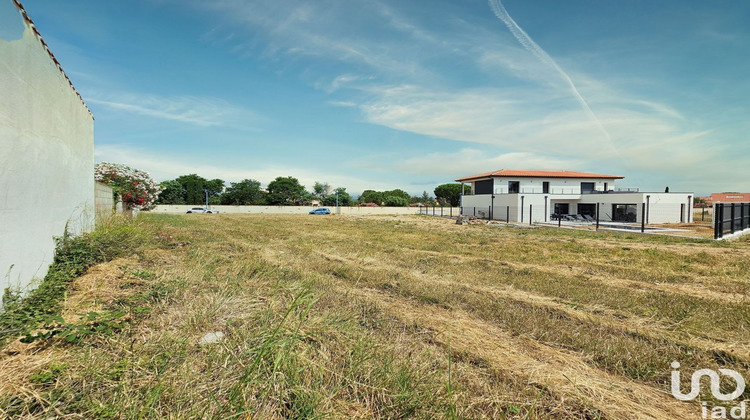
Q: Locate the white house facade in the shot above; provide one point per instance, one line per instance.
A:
(46, 152)
(527, 196)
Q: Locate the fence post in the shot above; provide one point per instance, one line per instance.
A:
(732, 213)
(451, 211)
(531, 212)
(507, 214)
(643, 217)
(597, 216)
(717, 223)
(475, 211)
(441, 211)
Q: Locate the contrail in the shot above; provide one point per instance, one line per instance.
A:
(525, 40)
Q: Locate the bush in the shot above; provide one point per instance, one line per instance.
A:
(135, 188)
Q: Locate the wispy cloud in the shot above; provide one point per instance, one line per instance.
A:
(193, 110)
(537, 51)
(469, 161)
(163, 168)
(512, 100)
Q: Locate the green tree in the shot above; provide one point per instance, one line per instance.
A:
(371, 196)
(172, 192)
(344, 198)
(396, 201)
(194, 189)
(321, 190)
(286, 191)
(450, 194)
(243, 193)
(396, 193)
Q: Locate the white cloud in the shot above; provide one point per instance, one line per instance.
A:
(164, 168)
(470, 161)
(390, 66)
(193, 110)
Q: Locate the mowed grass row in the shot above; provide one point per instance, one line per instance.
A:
(403, 258)
(294, 347)
(304, 341)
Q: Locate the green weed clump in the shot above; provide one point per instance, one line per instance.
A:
(73, 256)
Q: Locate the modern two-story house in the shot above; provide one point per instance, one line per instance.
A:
(537, 196)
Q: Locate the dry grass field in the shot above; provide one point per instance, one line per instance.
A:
(387, 317)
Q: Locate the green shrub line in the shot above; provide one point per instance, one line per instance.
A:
(73, 256)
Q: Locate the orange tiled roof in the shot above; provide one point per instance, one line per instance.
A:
(538, 174)
(730, 197)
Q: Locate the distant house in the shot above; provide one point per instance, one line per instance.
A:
(538, 196)
(46, 149)
(730, 197)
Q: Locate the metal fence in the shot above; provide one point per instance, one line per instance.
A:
(439, 211)
(730, 218)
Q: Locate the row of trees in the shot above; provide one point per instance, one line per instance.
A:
(194, 189)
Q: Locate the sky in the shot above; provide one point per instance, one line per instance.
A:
(383, 94)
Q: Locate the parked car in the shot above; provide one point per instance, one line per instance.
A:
(320, 210)
(201, 210)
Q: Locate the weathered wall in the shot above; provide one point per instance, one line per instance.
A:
(46, 153)
(104, 202)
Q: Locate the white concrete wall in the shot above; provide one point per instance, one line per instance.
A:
(181, 209)
(662, 207)
(46, 154)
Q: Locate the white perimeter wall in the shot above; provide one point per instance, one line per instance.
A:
(303, 209)
(46, 154)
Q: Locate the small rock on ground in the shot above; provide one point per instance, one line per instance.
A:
(212, 337)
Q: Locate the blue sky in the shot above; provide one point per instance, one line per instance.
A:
(410, 94)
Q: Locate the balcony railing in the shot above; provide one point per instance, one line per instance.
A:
(559, 191)
(540, 190)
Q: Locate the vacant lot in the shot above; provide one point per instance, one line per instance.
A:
(390, 317)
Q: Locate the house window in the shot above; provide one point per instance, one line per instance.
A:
(587, 209)
(483, 187)
(545, 187)
(562, 208)
(624, 213)
(514, 187)
(587, 187)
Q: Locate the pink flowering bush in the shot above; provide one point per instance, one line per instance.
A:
(136, 188)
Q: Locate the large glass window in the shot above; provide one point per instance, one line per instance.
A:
(587, 209)
(587, 187)
(514, 187)
(624, 213)
(562, 208)
(483, 187)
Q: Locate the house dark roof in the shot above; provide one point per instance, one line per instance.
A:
(46, 47)
(537, 174)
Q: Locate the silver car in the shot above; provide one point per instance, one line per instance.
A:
(201, 210)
